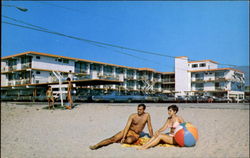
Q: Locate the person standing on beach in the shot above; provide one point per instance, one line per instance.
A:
(50, 98)
(132, 130)
(70, 75)
(172, 122)
(69, 94)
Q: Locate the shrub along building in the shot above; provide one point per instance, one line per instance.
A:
(26, 76)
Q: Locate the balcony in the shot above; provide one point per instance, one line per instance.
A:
(25, 65)
(143, 77)
(18, 82)
(157, 79)
(220, 88)
(130, 87)
(220, 78)
(8, 68)
(197, 79)
(168, 80)
(199, 88)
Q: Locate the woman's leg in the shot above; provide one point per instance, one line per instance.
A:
(162, 137)
(150, 140)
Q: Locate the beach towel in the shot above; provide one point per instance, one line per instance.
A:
(143, 140)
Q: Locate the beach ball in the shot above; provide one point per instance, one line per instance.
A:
(186, 134)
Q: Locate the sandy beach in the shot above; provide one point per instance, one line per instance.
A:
(29, 131)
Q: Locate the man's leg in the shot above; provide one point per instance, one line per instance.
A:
(108, 141)
(53, 102)
(130, 140)
(49, 103)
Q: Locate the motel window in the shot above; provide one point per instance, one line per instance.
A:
(59, 60)
(38, 72)
(194, 65)
(38, 57)
(203, 65)
(65, 61)
(217, 84)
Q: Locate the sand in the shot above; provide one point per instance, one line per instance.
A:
(29, 131)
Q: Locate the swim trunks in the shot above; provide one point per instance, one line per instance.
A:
(133, 134)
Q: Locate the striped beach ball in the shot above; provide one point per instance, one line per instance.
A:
(186, 134)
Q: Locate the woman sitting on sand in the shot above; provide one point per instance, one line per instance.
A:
(172, 122)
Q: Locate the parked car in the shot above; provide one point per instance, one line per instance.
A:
(166, 98)
(81, 98)
(152, 98)
(246, 100)
(8, 98)
(191, 98)
(202, 99)
(115, 97)
(222, 99)
(180, 99)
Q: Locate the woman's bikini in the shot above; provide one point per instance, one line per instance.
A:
(174, 125)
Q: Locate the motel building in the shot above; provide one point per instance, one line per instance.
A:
(26, 76)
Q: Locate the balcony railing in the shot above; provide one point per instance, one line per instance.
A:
(220, 78)
(9, 68)
(130, 87)
(143, 77)
(26, 65)
(18, 82)
(157, 79)
(168, 80)
(169, 89)
(197, 79)
(199, 89)
(220, 88)
(130, 77)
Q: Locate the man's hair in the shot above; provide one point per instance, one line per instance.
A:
(174, 108)
(143, 105)
(68, 79)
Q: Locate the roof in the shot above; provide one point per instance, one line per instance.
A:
(146, 69)
(197, 61)
(76, 59)
(181, 57)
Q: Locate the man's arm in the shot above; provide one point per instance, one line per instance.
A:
(150, 129)
(125, 131)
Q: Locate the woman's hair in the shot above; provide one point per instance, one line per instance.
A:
(174, 108)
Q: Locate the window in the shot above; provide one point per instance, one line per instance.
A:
(59, 60)
(203, 65)
(65, 61)
(194, 65)
(217, 84)
(38, 57)
(38, 72)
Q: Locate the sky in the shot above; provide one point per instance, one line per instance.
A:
(200, 30)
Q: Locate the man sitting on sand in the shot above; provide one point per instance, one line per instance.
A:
(131, 133)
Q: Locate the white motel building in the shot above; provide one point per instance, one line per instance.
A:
(28, 74)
